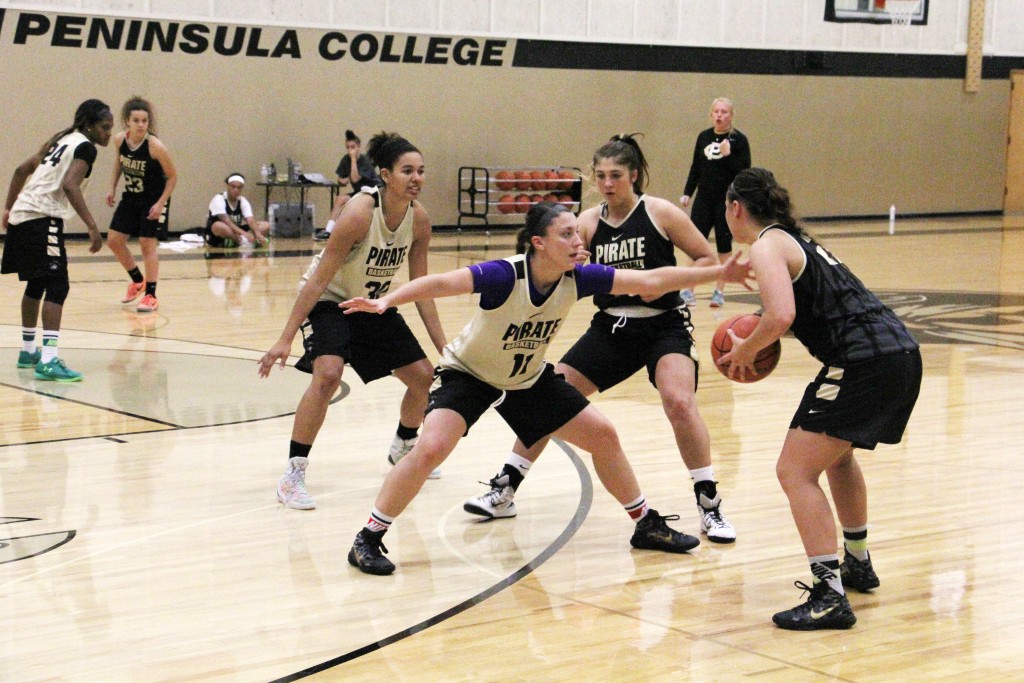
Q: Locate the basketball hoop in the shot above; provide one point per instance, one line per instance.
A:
(902, 12)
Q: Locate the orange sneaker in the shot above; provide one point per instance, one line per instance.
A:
(148, 304)
(134, 289)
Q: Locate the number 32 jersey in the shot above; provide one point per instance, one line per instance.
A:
(372, 263)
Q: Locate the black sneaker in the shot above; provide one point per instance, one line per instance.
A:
(825, 608)
(366, 553)
(653, 534)
(321, 236)
(858, 575)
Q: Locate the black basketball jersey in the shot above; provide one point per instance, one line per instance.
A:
(144, 178)
(638, 244)
(837, 318)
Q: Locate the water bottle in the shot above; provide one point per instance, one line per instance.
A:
(264, 173)
(272, 172)
(892, 219)
(291, 171)
(298, 172)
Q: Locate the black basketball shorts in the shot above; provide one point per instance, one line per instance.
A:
(531, 413)
(374, 345)
(866, 404)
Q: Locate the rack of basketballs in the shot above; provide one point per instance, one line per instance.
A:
(492, 191)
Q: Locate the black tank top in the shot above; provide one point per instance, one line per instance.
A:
(837, 318)
(144, 178)
(636, 244)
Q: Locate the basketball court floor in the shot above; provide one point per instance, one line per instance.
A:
(141, 540)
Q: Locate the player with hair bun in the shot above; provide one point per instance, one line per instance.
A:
(863, 395)
(379, 231)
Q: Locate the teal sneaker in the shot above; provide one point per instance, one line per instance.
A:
(57, 371)
(29, 360)
(717, 299)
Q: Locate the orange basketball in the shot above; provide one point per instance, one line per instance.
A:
(504, 181)
(551, 181)
(742, 325)
(522, 203)
(551, 197)
(507, 204)
(567, 200)
(523, 180)
(539, 182)
(536, 199)
(568, 178)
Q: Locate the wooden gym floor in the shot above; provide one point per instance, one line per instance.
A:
(140, 538)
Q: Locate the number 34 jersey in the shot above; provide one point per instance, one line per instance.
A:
(43, 194)
(372, 263)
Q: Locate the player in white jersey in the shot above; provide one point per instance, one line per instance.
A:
(634, 231)
(380, 229)
(498, 359)
(45, 190)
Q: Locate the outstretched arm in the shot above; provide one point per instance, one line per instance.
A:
(652, 283)
(435, 286)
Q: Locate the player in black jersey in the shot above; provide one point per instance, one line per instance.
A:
(862, 396)
(634, 231)
(719, 154)
(149, 180)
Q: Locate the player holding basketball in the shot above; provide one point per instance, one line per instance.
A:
(498, 360)
(149, 180)
(45, 190)
(720, 152)
(863, 395)
(377, 232)
(635, 231)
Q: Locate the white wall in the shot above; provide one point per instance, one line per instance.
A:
(790, 24)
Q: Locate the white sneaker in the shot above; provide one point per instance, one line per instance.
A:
(291, 487)
(712, 522)
(689, 298)
(496, 503)
(401, 447)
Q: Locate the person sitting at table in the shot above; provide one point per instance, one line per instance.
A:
(230, 221)
(356, 168)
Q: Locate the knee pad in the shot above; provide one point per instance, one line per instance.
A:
(57, 291)
(35, 288)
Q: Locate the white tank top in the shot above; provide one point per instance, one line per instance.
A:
(43, 194)
(505, 346)
(372, 263)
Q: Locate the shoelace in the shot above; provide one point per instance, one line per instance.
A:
(714, 515)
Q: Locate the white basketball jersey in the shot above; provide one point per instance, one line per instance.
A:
(43, 194)
(505, 346)
(372, 263)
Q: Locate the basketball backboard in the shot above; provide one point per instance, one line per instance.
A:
(874, 11)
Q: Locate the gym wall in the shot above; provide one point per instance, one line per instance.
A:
(849, 133)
